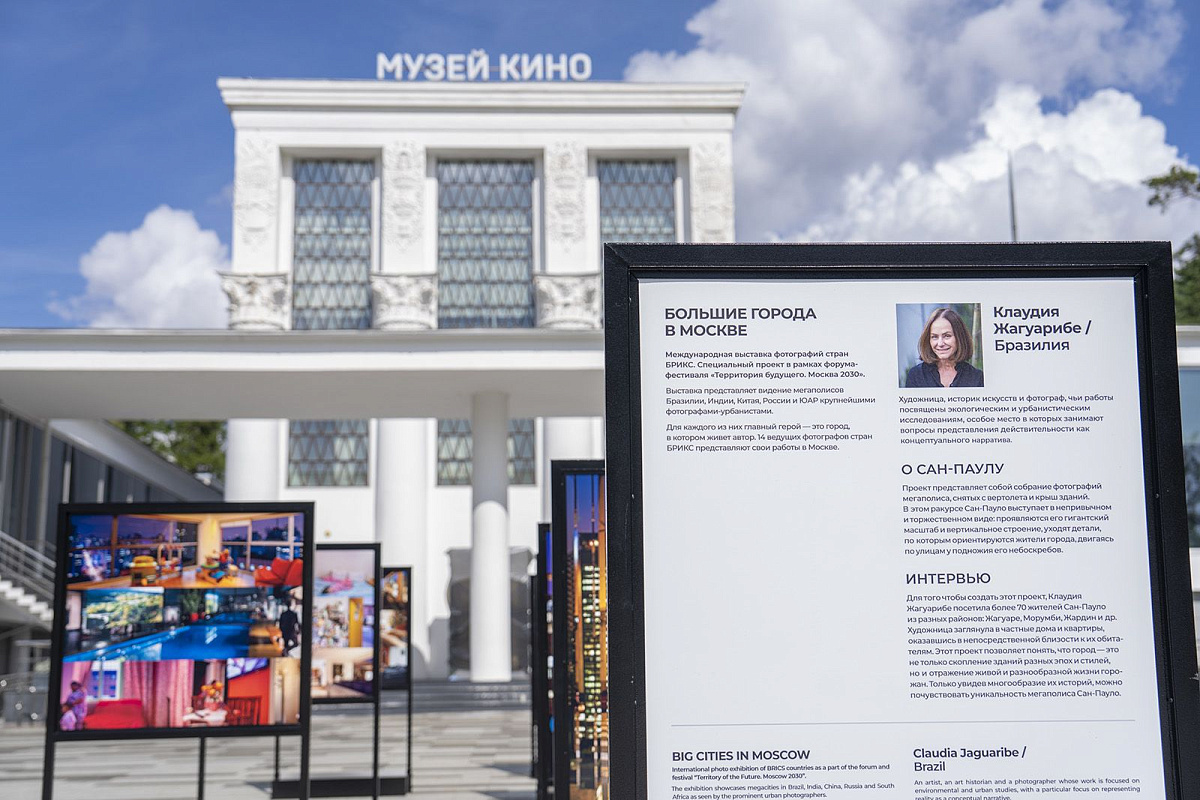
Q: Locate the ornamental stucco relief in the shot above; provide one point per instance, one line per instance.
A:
(566, 174)
(255, 196)
(257, 302)
(404, 302)
(403, 193)
(712, 192)
(568, 301)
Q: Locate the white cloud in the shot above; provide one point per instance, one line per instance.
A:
(162, 274)
(871, 120)
(1077, 176)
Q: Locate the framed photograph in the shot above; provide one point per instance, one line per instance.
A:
(345, 623)
(181, 620)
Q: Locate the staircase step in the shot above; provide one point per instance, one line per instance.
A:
(429, 696)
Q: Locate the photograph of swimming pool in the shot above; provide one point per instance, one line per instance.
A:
(181, 624)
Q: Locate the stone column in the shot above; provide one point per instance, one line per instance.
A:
(257, 302)
(491, 618)
(401, 499)
(252, 460)
(566, 302)
(563, 438)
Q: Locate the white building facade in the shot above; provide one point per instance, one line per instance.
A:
(451, 210)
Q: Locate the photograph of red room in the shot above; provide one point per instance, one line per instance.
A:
(175, 551)
(102, 695)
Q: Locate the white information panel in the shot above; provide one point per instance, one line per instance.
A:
(860, 582)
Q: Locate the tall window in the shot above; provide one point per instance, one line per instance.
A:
(258, 542)
(331, 244)
(328, 452)
(331, 290)
(485, 244)
(637, 200)
(454, 452)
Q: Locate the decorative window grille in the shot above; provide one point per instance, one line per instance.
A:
(485, 244)
(331, 258)
(454, 452)
(327, 452)
(637, 200)
(331, 290)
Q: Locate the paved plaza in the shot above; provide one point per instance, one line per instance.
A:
(460, 755)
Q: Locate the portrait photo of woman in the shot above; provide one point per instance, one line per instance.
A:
(946, 354)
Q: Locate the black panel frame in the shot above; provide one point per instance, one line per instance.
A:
(385, 782)
(543, 763)
(58, 635)
(563, 643)
(1149, 264)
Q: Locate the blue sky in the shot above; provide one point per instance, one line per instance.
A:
(111, 108)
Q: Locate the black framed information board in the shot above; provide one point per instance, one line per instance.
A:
(897, 521)
(181, 620)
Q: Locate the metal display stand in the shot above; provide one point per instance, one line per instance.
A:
(57, 646)
(374, 785)
(403, 785)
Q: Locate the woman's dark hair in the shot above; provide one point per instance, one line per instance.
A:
(963, 345)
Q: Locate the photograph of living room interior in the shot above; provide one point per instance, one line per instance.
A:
(343, 626)
(117, 695)
(185, 550)
(393, 629)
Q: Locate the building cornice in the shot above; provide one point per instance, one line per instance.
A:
(69, 374)
(15, 340)
(266, 94)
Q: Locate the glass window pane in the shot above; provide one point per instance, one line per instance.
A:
(454, 452)
(637, 200)
(270, 530)
(87, 478)
(331, 263)
(140, 530)
(90, 531)
(235, 533)
(263, 555)
(485, 244)
(126, 488)
(328, 452)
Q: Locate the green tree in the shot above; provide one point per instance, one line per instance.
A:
(1179, 183)
(197, 446)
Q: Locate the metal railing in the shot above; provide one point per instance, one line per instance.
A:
(23, 698)
(26, 567)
